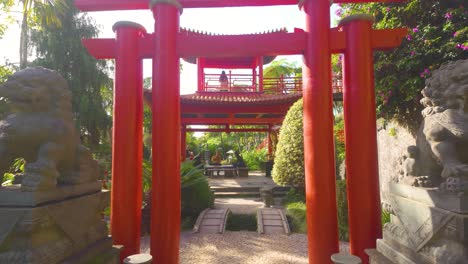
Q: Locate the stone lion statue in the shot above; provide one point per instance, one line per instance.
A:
(441, 152)
(39, 128)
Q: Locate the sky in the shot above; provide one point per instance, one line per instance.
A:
(241, 20)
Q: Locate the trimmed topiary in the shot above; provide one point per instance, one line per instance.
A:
(289, 158)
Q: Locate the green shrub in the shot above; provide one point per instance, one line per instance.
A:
(239, 222)
(196, 192)
(342, 209)
(254, 159)
(294, 195)
(289, 161)
(297, 215)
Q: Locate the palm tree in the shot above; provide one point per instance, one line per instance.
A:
(48, 11)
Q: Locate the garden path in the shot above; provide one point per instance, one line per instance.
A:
(241, 247)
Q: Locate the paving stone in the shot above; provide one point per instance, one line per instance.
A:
(272, 222)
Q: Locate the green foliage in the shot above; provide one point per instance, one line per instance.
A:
(289, 161)
(385, 217)
(254, 159)
(438, 33)
(342, 209)
(294, 195)
(196, 193)
(5, 17)
(60, 49)
(241, 222)
(282, 67)
(297, 214)
(392, 132)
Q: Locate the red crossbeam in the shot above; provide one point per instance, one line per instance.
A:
(227, 130)
(231, 121)
(108, 5)
(245, 45)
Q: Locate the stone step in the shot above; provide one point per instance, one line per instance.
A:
(235, 189)
(237, 194)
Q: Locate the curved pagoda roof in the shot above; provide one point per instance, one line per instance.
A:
(233, 108)
(229, 62)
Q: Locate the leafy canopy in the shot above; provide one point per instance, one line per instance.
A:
(438, 33)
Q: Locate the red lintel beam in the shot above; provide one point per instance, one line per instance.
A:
(227, 130)
(235, 109)
(231, 121)
(244, 45)
(108, 5)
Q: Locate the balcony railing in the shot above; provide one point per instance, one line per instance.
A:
(244, 83)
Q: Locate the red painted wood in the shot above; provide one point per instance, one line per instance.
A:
(244, 45)
(105, 5)
(127, 148)
(322, 226)
(101, 48)
(217, 109)
(361, 140)
(230, 121)
(165, 210)
(227, 130)
(260, 74)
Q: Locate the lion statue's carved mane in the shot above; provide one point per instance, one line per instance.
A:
(39, 128)
(441, 152)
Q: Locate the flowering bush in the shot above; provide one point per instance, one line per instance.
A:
(437, 33)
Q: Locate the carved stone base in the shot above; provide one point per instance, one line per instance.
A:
(52, 232)
(12, 196)
(426, 226)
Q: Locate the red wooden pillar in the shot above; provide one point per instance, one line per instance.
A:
(165, 211)
(201, 75)
(322, 226)
(260, 73)
(270, 143)
(127, 143)
(362, 176)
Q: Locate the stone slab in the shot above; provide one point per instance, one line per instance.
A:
(272, 217)
(392, 254)
(273, 229)
(376, 257)
(213, 216)
(432, 197)
(272, 222)
(12, 196)
(54, 231)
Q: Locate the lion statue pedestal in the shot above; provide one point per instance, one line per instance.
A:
(428, 198)
(53, 211)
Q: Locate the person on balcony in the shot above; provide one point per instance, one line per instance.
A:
(223, 81)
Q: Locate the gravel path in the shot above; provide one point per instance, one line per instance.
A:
(241, 248)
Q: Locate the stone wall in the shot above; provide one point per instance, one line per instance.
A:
(392, 141)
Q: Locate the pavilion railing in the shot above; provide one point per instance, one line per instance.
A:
(244, 83)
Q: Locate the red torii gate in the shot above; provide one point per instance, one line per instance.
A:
(317, 42)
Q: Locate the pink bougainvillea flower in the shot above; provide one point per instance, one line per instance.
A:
(408, 37)
(448, 15)
(462, 46)
(339, 12)
(455, 33)
(415, 29)
(387, 9)
(413, 53)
